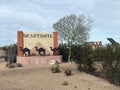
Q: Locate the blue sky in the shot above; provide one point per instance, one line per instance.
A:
(40, 15)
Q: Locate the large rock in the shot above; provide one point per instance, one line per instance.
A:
(97, 66)
(53, 62)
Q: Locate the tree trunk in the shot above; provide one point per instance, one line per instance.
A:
(69, 54)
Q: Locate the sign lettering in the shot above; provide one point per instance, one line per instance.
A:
(37, 35)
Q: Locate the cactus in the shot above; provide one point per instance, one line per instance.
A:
(11, 53)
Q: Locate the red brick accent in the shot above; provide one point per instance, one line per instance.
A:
(19, 42)
(55, 39)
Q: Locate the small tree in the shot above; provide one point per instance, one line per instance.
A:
(73, 30)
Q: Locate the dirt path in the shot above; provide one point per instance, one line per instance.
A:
(39, 77)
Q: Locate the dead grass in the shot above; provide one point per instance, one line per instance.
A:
(39, 77)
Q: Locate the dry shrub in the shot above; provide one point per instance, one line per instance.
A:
(55, 68)
(19, 65)
(68, 72)
(65, 83)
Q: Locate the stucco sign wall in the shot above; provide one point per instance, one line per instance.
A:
(39, 39)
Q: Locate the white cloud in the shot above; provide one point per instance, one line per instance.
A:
(40, 15)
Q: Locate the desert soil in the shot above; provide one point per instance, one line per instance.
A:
(39, 77)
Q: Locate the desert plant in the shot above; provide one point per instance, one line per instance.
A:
(55, 68)
(63, 51)
(68, 72)
(65, 83)
(11, 65)
(83, 57)
(111, 62)
(19, 65)
(108, 56)
(113, 75)
(7, 64)
(10, 53)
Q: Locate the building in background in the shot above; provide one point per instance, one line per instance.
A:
(95, 44)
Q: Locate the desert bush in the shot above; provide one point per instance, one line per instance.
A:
(11, 65)
(10, 53)
(65, 83)
(55, 68)
(68, 72)
(113, 75)
(112, 64)
(19, 65)
(83, 57)
(63, 50)
(108, 56)
(7, 64)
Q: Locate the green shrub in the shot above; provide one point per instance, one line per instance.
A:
(108, 56)
(10, 53)
(63, 50)
(111, 64)
(83, 57)
(113, 75)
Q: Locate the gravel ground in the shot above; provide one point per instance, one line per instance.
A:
(39, 77)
